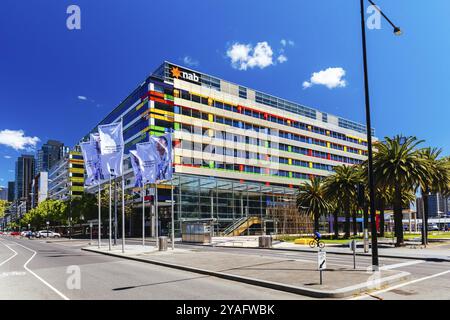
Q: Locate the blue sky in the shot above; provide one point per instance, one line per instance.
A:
(46, 70)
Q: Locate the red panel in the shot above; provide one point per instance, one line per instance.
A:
(155, 93)
(241, 167)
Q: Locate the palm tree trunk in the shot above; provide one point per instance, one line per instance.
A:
(382, 205)
(347, 220)
(398, 216)
(355, 224)
(316, 222)
(366, 216)
(426, 211)
(336, 224)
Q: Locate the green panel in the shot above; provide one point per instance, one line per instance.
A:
(177, 126)
(290, 148)
(157, 128)
(156, 133)
(211, 164)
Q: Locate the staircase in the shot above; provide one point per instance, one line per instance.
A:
(237, 228)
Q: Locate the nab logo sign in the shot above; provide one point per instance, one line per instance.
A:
(184, 75)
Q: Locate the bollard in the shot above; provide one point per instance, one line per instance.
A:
(366, 240)
(162, 241)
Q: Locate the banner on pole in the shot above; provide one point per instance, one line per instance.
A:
(90, 158)
(163, 148)
(138, 169)
(146, 153)
(112, 148)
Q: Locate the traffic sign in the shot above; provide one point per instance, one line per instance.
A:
(322, 260)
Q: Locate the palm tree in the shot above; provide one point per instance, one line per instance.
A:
(342, 187)
(311, 200)
(437, 180)
(397, 164)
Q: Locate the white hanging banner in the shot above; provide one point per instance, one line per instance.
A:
(112, 148)
(146, 152)
(138, 168)
(163, 154)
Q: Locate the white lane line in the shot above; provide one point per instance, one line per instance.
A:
(399, 265)
(15, 254)
(376, 293)
(38, 277)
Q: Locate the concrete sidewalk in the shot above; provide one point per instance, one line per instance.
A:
(290, 275)
(434, 252)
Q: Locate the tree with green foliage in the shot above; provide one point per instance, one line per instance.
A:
(399, 165)
(3, 206)
(311, 200)
(341, 186)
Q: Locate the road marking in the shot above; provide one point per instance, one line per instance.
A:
(399, 265)
(400, 285)
(38, 277)
(15, 254)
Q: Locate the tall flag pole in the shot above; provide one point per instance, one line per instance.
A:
(112, 149)
(94, 174)
(110, 213)
(137, 165)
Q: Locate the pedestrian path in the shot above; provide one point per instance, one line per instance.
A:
(287, 274)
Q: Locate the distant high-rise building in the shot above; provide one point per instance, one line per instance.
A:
(3, 193)
(25, 166)
(11, 188)
(49, 154)
(39, 188)
(437, 205)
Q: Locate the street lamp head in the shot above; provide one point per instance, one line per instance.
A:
(398, 31)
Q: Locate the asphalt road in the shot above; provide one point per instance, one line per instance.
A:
(34, 269)
(38, 270)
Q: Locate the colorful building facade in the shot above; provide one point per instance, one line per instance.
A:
(237, 151)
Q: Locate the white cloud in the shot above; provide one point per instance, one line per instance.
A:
(244, 56)
(82, 97)
(17, 140)
(331, 78)
(190, 62)
(282, 58)
(285, 42)
(7, 157)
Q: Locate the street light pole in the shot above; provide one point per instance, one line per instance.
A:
(397, 31)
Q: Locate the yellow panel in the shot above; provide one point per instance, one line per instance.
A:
(168, 113)
(210, 118)
(139, 106)
(345, 148)
(360, 152)
(328, 144)
(310, 164)
(76, 170)
(155, 116)
(76, 179)
(177, 160)
(289, 161)
(76, 188)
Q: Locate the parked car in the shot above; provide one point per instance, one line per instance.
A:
(25, 233)
(47, 234)
(433, 227)
(15, 233)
